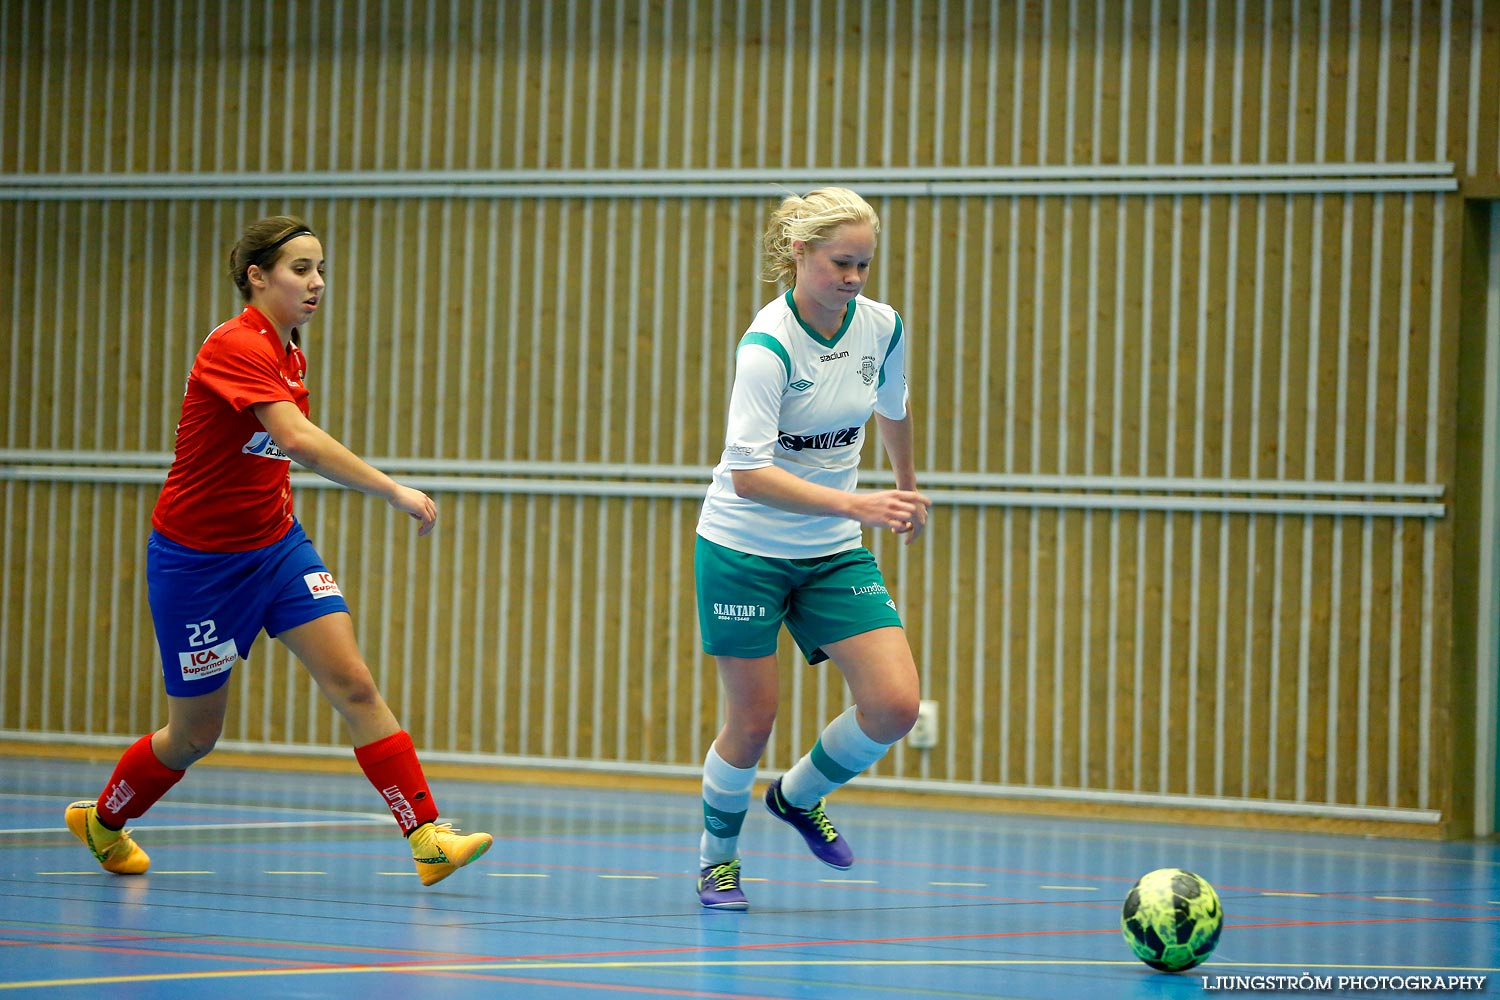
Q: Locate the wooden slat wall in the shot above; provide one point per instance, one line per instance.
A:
(1291, 658)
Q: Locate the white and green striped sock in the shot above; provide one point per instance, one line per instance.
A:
(842, 752)
(726, 799)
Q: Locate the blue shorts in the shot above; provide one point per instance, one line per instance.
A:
(210, 606)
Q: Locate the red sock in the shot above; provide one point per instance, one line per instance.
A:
(140, 779)
(391, 765)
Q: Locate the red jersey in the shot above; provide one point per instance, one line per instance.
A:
(230, 487)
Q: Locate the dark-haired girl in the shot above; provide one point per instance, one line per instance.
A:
(227, 558)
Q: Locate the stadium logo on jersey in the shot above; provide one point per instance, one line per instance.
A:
(801, 385)
(200, 663)
(831, 439)
(261, 445)
(738, 612)
(867, 369)
(322, 585)
(834, 357)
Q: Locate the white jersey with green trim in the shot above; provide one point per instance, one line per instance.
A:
(800, 402)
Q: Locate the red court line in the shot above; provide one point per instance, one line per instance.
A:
(611, 987)
(395, 968)
(243, 942)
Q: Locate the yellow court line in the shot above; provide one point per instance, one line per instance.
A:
(504, 967)
(517, 875)
(1404, 899)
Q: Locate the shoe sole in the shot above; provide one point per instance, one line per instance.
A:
(727, 907)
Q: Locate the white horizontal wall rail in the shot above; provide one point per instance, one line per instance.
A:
(10, 459)
(1085, 171)
(1058, 499)
(1071, 180)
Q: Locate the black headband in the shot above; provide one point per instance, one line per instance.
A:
(268, 251)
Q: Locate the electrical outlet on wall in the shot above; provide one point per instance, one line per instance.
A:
(924, 733)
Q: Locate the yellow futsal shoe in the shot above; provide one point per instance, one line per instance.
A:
(439, 850)
(112, 848)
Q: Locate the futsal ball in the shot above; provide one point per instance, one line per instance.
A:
(1171, 919)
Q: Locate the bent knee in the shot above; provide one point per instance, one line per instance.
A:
(185, 745)
(344, 677)
(354, 690)
(750, 732)
(888, 721)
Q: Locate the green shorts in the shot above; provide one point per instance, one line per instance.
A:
(743, 600)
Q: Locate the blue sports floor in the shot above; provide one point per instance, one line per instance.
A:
(287, 884)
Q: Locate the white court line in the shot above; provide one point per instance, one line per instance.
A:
(190, 804)
(363, 817)
(179, 828)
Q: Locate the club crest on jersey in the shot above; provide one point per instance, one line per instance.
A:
(261, 446)
(867, 369)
